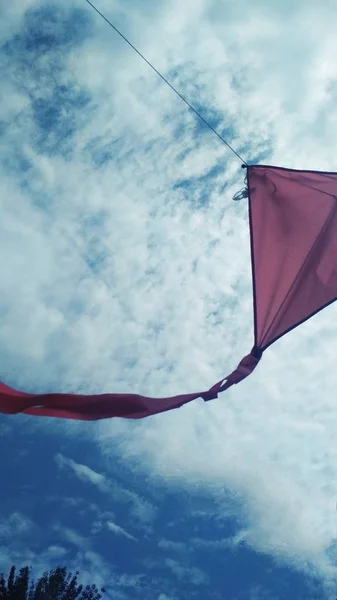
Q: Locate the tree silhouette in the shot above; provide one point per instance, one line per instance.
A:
(57, 584)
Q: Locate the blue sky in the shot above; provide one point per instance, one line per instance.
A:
(63, 502)
(125, 267)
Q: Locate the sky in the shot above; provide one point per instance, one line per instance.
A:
(125, 267)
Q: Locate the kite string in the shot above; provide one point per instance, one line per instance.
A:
(167, 82)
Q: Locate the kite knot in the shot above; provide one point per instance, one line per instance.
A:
(256, 352)
(210, 395)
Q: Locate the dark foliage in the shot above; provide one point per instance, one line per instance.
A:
(57, 584)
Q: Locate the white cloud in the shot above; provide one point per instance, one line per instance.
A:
(15, 524)
(73, 537)
(134, 274)
(176, 547)
(83, 472)
(141, 510)
(116, 529)
(56, 552)
(259, 593)
(186, 573)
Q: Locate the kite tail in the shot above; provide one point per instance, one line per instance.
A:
(103, 406)
(243, 370)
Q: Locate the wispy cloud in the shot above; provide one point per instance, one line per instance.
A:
(56, 552)
(15, 524)
(83, 472)
(191, 574)
(175, 547)
(73, 537)
(141, 509)
(119, 531)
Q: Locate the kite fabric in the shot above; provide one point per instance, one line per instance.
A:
(293, 232)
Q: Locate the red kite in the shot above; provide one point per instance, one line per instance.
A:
(293, 232)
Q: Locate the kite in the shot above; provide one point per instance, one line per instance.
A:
(293, 234)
